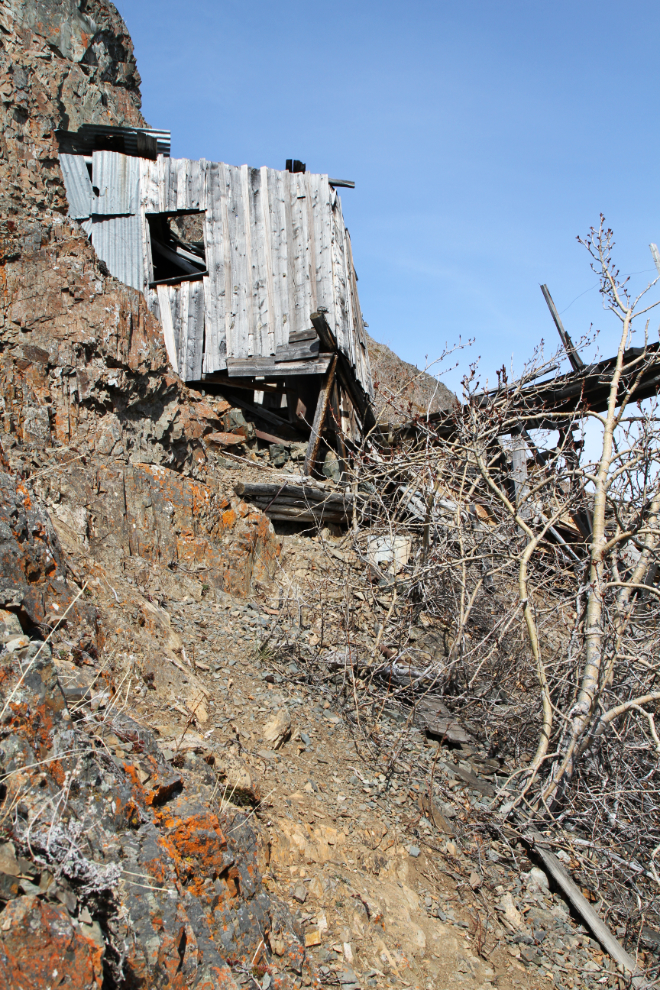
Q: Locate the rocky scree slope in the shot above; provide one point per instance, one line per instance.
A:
(402, 391)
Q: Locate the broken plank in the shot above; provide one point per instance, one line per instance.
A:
(247, 386)
(300, 503)
(582, 906)
(269, 438)
(304, 352)
(269, 490)
(289, 512)
(298, 336)
(266, 414)
(326, 336)
(574, 358)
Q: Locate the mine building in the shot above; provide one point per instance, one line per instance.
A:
(249, 271)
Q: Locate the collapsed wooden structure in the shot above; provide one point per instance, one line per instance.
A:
(249, 270)
(516, 409)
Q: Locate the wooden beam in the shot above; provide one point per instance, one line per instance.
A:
(571, 353)
(305, 352)
(582, 906)
(251, 367)
(307, 493)
(297, 336)
(357, 394)
(319, 418)
(177, 279)
(325, 334)
(335, 407)
(251, 386)
(265, 414)
(269, 438)
(568, 395)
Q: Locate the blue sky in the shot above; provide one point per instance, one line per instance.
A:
(482, 136)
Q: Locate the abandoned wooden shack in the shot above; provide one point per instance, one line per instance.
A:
(249, 270)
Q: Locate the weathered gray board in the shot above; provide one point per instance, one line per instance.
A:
(277, 250)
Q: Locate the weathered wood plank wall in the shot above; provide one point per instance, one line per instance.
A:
(277, 250)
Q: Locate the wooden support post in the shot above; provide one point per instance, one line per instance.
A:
(519, 471)
(319, 417)
(335, 409)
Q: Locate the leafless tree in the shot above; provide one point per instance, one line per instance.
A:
(514, 578)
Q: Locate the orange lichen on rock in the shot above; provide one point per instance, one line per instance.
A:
(40, 947)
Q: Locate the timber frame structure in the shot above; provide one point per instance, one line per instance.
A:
(250, 272)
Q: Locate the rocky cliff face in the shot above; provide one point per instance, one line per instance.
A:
(82, 361)
(62, 63)
(105, 481)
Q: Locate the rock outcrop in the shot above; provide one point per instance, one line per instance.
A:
(84, 375)
(402, 391)
(116, 869)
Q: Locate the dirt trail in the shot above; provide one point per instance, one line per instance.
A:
(384, 896)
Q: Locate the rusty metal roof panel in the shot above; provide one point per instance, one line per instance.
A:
(118, 242)
(117, 179)
(78, 186)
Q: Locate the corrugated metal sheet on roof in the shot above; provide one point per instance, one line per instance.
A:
(78, 186)
(117, 178)
(88, 133)
(118, 242)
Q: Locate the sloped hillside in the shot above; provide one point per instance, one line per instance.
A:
(402, 390)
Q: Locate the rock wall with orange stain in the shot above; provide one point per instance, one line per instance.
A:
(123, 872)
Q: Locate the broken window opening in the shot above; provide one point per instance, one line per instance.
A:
(178, 251)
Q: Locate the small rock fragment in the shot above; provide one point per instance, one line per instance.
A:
(510, 911)
(17, 643)
(8, 861)
(278, 729)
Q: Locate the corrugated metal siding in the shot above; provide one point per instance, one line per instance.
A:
(118, 242)
(78, 186)
(117, 178)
